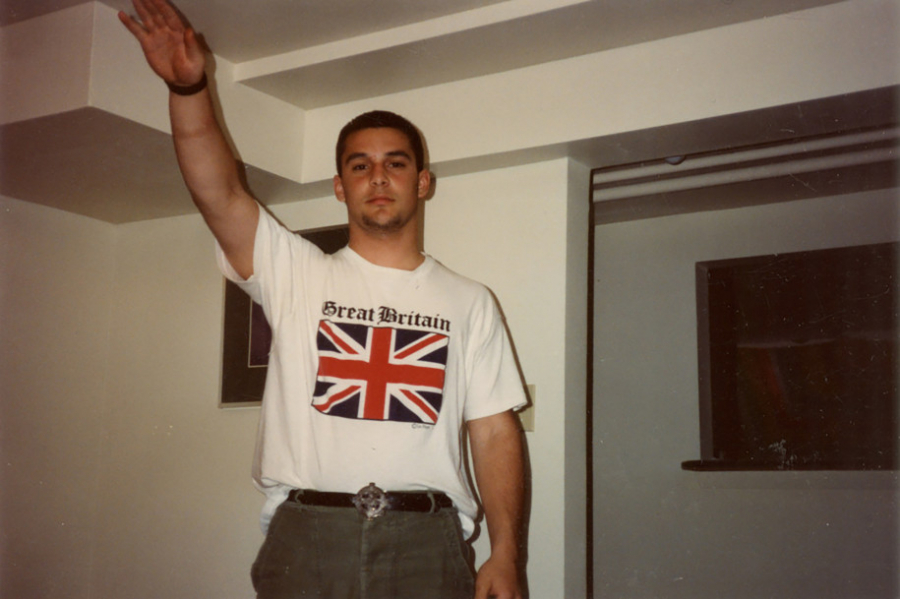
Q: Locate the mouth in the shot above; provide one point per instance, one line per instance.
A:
(379, 201)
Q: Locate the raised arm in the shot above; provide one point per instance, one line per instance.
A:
(207, 164)
(497, 454)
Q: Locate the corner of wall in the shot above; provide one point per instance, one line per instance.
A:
(576, 377)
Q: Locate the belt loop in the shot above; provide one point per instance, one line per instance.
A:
(434, 504)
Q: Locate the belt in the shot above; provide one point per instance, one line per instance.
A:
(372, 502)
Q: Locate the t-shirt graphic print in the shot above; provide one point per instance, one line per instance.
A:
(380, 373)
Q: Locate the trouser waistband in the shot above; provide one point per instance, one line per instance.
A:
(372, 501)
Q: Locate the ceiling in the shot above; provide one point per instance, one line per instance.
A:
(305, 52)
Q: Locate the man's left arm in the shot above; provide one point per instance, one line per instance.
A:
(497, 453)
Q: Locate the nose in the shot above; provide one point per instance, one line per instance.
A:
(378, 175)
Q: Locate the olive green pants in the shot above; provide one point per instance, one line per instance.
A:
(335, 553)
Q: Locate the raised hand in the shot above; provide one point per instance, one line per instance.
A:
(171, 48)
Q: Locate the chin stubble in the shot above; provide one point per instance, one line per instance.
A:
(391, 226)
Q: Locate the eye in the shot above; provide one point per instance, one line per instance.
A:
(358, 167)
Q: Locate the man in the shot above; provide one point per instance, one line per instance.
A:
(381, 359)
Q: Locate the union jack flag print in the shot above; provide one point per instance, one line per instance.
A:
(380, 373)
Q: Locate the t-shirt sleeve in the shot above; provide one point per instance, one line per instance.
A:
(495, 384)
(281, 260)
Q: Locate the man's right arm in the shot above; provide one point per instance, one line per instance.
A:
(207, 164)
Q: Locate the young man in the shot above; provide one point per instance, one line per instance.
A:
(381, 359)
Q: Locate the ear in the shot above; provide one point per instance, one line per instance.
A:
(339, 189)
(424, 183)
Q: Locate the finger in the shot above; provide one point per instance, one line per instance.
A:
(169, 15)
(158, 10)
(141, 9)
(149, 13)
(150, 17)
(133, 26)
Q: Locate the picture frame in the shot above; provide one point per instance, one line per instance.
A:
(797, 358)
(247, 337)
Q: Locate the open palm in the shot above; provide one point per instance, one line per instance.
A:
(172, 49)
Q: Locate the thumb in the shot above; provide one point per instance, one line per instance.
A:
(193, 48)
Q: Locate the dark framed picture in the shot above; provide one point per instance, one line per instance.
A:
(247, 336)
(798, 360)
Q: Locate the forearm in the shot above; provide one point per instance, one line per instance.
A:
(211, 173)
(206, 161)
(499, 472)
(498, 457)
(500, 483)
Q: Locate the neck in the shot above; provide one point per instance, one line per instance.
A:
(391, 251)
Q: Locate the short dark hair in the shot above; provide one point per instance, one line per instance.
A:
(379, 119)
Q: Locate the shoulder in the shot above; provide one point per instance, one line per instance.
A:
(275, 233)
(470, 297)
(461, 284)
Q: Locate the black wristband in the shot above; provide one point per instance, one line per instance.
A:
(188, 90)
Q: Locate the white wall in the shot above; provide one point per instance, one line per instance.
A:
(56, 287)
(664, 532)
(123, 478)
(49, 78)
(176, 484)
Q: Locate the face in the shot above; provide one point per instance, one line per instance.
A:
(379, 182)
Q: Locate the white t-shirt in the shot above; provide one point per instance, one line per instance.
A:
(373, 371)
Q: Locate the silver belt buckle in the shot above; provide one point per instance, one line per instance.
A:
(370, 501)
